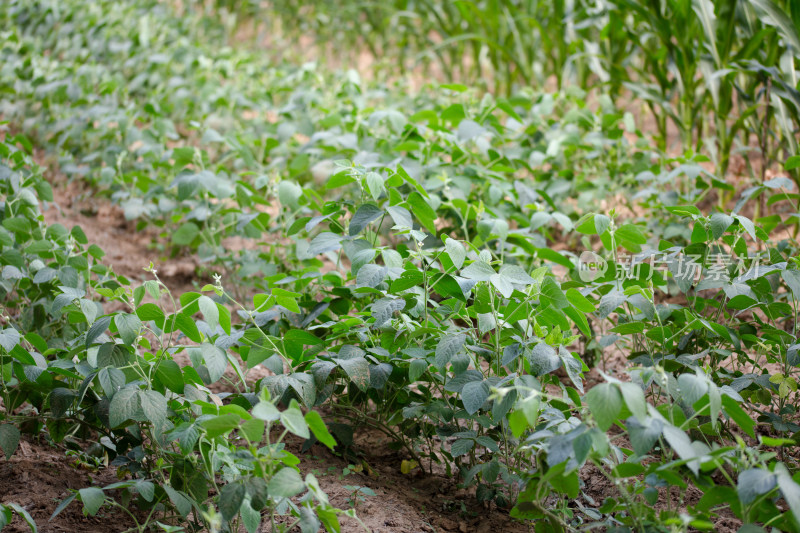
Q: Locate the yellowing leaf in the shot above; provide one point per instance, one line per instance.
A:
(407, 466)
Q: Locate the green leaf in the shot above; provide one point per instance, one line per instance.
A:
(502, 284)
(266, 410)
(9, 439)
(592, 224)
(128, 326)
(98, 328)
(631, 233)
(719, 224)
(792, 279)
(605, 403)
(489, 443)
(9, 338)
(61, 400)
(773, 15)
(17, 224)
(189, 305)
(24, 514)
(153, 289)
(230, 500)
(408, 279)
(446, 286)
(251, 519)
(474, 395)
(551, 293)
(543, 359)
(754, 482)
(63, 505)
(375, 185)
(682, 445)
(634, 399)
(479, 271)
(11, 272)
(624, 470)
(738, 415)
(89, 310)
(185, 234)
(124, 406)
(154, 406)
(609, 303)
(92, 498)
(224, 318)
(370, 275)
(150, 311)
(286, 483)
(790, 490)
(383, 309)
(215, 360)
(339, 179)
(170, 375)
(705, 12)
(357, 369)
(518, 423)
(186, 324)
(556, 257)
(112, 379)
(684, 210)
(187, 435)
(363, 217)
(457, 87)
(486, 322)
(448, 347)
(741, 301)
(628, 328)
(424, 213)
(221, 424)
(792, 163)
(714, 404)
(181, 502)
(147, 489)
(416, 368)
(401, 216)
(573, 366)
(257, 490)
(456, 252)
(113, 355)
(252, 430)
(516, 275)
(293, 420)
(289, 193)
(210, 311)
(692, 388)
(295, 339)
(289, 303)
(461, 447)
(748, 225)
(644, 435)
(579, 301)
(317, 426)
(44, 275)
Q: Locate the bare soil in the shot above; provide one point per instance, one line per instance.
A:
(403, 503)
(128, 251)
(39, 476)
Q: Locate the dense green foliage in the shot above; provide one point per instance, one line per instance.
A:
(414, 262)
(713, 70)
